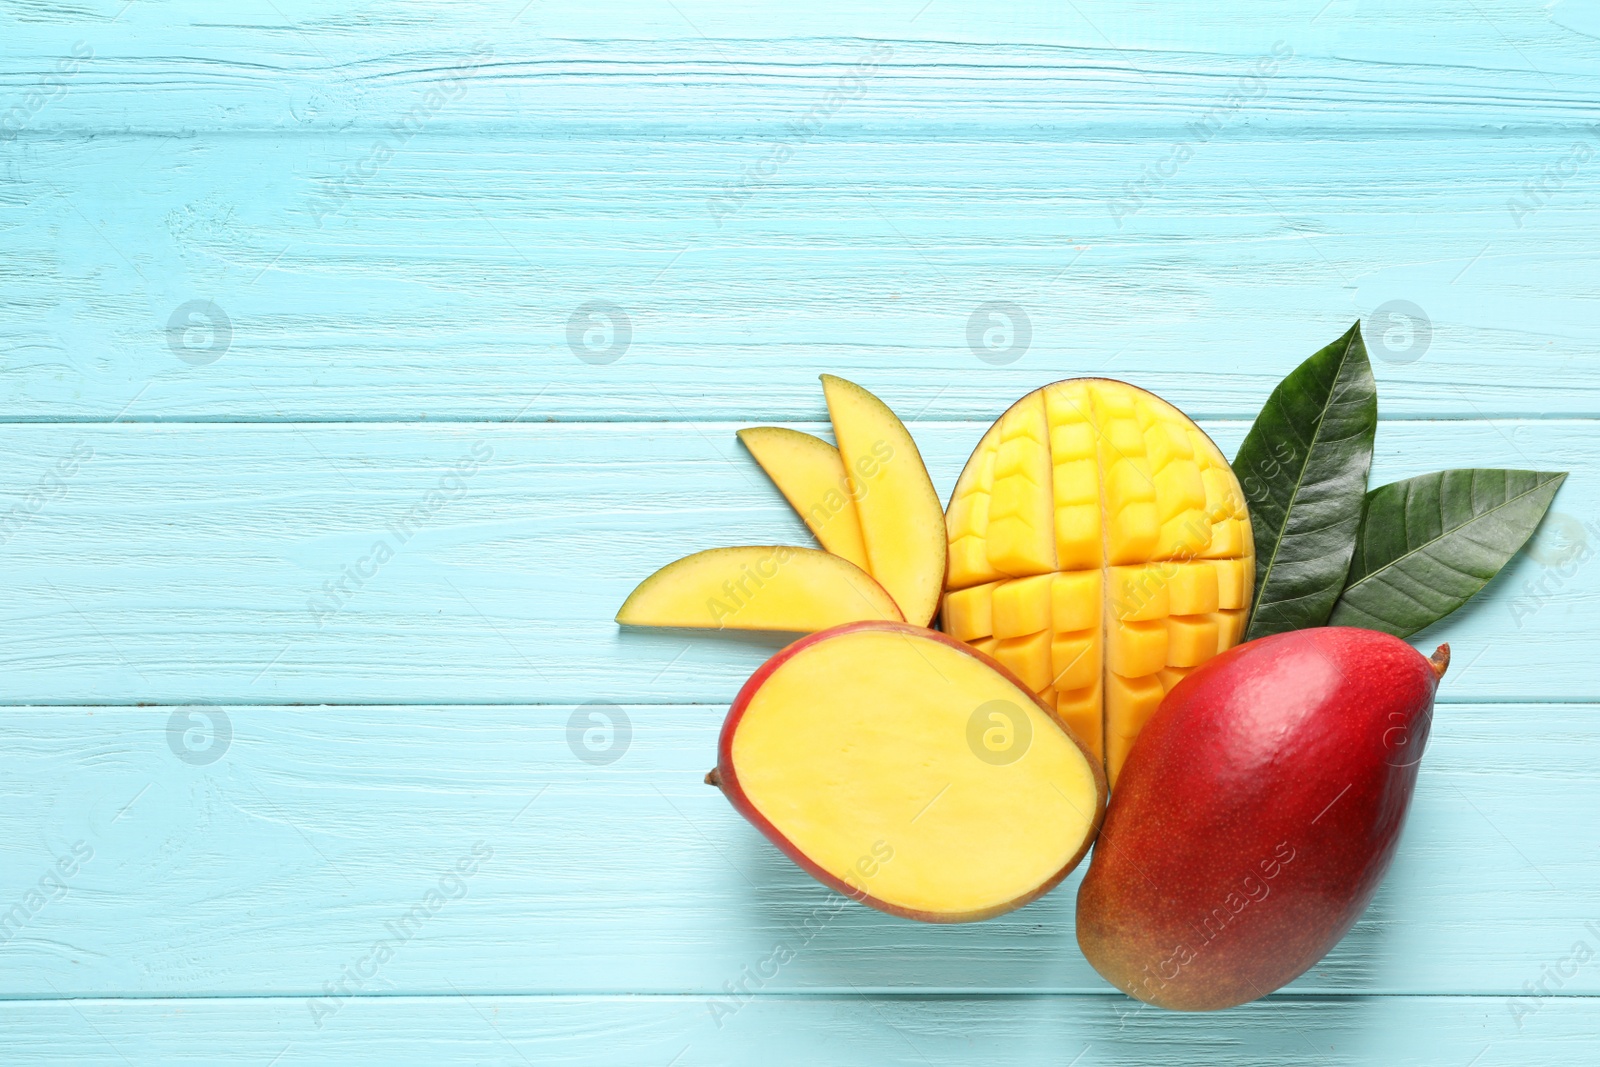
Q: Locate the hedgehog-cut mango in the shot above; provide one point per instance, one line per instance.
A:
(1100, 549)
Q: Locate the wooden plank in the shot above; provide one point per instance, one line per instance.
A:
(451, 282)
(262, 851)
(605, 151)
(1100, 1031)
(326, 66)
(613, 154)
(223, 563)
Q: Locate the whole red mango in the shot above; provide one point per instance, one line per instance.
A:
(1256, 815)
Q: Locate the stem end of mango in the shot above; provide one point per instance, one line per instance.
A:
(1440, 661)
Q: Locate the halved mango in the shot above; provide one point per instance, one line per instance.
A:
(1096, 519)
(902, 524)
(758, 587)
(902, 768)
(809, 473)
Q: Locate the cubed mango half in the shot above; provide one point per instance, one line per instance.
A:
(1100, 549)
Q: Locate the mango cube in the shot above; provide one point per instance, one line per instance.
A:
(1100, 548)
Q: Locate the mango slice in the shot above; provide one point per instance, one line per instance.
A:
(1100, 549)
(902, 523)
(758, 587)
(809, 473)
(901, 769)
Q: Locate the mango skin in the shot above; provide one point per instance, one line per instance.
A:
(1255, 817)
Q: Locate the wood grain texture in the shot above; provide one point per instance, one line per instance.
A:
(865, 1030)
(405, 211)
(443, 286)
(287, 842)
(305, 64)
(1030, 158)
(222, 563)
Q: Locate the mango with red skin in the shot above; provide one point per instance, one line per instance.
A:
(725, 776)
(1256, 816)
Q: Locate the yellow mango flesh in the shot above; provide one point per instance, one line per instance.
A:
(758, 587)
(1100, 549)
(862, 752)
(902, 524)
(809, 473)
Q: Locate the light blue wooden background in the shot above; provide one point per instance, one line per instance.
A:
(398, 292)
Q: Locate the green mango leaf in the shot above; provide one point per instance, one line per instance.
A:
(1428, 544)
(1303, 468)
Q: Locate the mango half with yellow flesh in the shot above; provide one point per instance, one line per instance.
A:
(1100, 549)
(903, 769)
